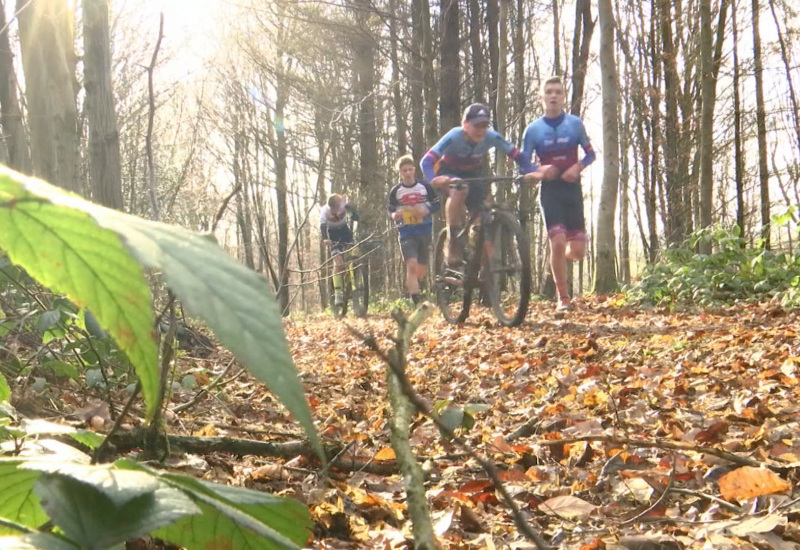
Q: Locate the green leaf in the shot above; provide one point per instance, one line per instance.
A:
(90, 439)
(5, 391)
(236, 302)
(48, 319)
(40, 541)
(64, 249)
(62, 369)
(119, 486)
(237, 518)
(95, 521)
(18, 502)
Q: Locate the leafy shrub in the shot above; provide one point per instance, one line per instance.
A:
(732, 272)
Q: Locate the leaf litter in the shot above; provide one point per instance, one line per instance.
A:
(725, 380)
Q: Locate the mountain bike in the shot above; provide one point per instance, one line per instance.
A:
(355, 283)
(496, 260)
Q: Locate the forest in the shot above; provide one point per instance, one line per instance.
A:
(173, 369)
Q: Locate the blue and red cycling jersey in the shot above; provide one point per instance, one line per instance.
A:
(456, 154)
(555, 141)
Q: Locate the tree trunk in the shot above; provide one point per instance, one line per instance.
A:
(605, 275)
(10, 113)
(450, 78)
(502, 92)
(708, 87)
(475, 26)
(492, 22)
(785, 57)
(104, 157)
(581, 41)
(676, 228)
(282, 96)
(761, 125)
(557, 70)
(417, 74)
(429, 78)
(397, 98)
(48, 60)
(738, 151)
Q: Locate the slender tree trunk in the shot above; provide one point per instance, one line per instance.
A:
(450, 78)
(761, 125)
(676, 226)
(48, 60)
(492, 24)
(605, 276)
(655, 133)
(738, 151)
(557, 70)
(416, 72)
(429, 80)
(10, 112)
(104, 157)
(502, 91)
(708, 87)
(475, 26)
(397, 98)
(581, 41)
(281, 190)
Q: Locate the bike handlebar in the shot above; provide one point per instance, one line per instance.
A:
(460, 182)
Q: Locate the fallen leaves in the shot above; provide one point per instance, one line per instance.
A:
(748, 482)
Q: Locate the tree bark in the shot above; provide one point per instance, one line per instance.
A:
(397, 97)
(104, 156)
(581, 41)
(450, 77)
(738, 151)
(416, 79)
(605, 277)
(708, 87)
(10, 112)
(48, 61)
(761, 126)
(475, 26)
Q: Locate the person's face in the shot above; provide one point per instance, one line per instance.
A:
(407, 172)
(553, 97)
(475, 131)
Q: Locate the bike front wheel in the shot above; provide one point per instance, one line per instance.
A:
(453, 289)
(360, 292)
(509, 265)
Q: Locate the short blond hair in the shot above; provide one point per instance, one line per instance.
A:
(402, 161)
(555, 79)
(334, 200)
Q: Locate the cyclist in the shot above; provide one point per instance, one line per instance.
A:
(554, 138)
(335, 229)
(461, 153)
(411, 203)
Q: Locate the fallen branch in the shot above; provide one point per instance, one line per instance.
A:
(127, 441)
(668, 445)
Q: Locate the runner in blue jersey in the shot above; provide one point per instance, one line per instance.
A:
(554, 139)
(411, 203)
(461, 153)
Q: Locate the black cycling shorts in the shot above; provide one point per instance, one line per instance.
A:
(562, 208)
(342, 239)
(417, 246)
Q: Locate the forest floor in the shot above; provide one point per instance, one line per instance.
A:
(685, 386)
(679, 429)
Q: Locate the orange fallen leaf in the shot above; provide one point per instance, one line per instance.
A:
(387, 453)
(747, 482)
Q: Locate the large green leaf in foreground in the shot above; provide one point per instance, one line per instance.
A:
(64, 249)
(235, 301)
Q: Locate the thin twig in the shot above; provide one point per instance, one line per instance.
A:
(667, 445)
(488, 466)
(101, 449)
(210, 386)
(660, 499)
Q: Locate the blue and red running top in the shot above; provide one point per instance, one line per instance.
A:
(457, 154)
(555, 141)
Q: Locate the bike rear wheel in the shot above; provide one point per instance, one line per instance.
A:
(360, 292)
(509, 277)
(453, 290)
